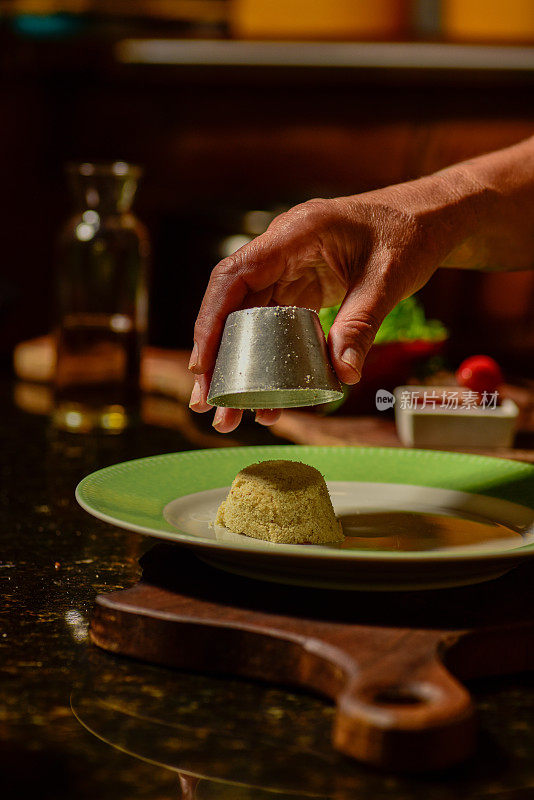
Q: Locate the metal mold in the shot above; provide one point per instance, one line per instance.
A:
(273, 357)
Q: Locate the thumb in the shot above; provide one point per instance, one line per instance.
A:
(354, 329)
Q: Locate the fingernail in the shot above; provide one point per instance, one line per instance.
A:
(195, 395)
(261, 419)
(350, 357)
(217, 419)
(194, 356)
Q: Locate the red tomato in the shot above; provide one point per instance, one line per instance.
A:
(480, 374)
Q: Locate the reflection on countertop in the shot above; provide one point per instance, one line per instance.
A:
(231, 734)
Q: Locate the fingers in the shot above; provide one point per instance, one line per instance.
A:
(225, 293)
(199, 394)
(226, 419)
(268, 416)
(354, 330)
(248, 273)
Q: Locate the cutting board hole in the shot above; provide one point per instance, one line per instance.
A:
(398, 696)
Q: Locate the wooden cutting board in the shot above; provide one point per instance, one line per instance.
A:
(391, 662)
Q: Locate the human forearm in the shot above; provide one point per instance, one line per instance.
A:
(497, 232)
(477, 214)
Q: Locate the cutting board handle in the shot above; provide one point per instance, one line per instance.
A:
(410, 719)
(397, 705)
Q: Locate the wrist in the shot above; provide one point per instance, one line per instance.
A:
(499, 203)
(461, 203)
(457, 207)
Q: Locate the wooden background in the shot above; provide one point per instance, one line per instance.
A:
(218, 141)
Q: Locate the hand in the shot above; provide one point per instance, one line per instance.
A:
(369, 251)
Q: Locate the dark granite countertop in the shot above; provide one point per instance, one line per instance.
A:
(78, 722)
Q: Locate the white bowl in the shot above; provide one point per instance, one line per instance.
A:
(452, 427)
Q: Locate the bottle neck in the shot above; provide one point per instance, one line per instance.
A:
(102, 189)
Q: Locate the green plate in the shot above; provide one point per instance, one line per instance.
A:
(175, 497)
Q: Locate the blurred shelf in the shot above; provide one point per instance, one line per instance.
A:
(197, 10)
(412, 56)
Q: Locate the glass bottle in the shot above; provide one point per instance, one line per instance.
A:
(102, 302)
